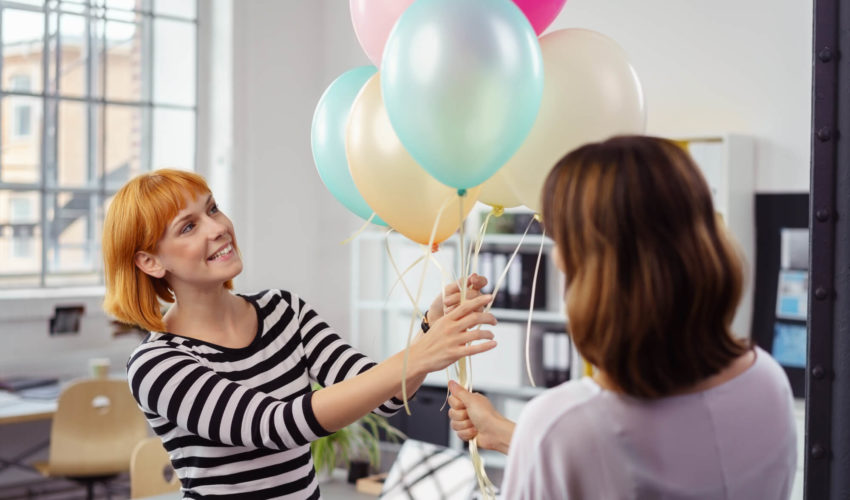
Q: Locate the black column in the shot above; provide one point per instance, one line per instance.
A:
(827, 449)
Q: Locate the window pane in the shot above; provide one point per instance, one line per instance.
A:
(20, 238)
(178, 8)
(71, 225)
(122, 61)
(173, 139)
(120, 143)
(23, 34)
(174, 70)
(20, 144)
(123, 10)
(72, 158)
(72, 57)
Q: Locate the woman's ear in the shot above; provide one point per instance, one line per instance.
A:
(149, 264)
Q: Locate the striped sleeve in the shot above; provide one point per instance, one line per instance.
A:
(173, 384)
(330, 359)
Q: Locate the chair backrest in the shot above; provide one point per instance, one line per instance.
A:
(150, 470)
(96, 426)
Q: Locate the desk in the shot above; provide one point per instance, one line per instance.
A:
(15, 409)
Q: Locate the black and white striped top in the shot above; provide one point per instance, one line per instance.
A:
(237, 423)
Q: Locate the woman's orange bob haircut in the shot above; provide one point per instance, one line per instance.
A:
(653, 280)
(136, 221)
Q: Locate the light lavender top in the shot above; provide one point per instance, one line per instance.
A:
(734, 441)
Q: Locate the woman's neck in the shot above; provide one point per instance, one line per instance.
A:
(215, 316)
(738, 366)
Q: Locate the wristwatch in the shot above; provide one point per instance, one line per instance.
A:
(425, 324)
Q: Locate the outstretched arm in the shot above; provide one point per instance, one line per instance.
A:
(448, 340)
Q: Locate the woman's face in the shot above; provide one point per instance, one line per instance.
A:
(199, 246)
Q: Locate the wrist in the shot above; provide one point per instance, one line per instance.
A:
(506, 432)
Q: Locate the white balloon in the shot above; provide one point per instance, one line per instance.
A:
(590, 92)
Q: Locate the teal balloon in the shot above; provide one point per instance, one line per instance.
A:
(327, 138)
(462, 82)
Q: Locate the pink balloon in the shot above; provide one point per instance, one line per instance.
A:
(373, 20)
(540, 13)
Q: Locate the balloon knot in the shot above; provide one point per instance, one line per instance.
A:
(461, 192)
(498, 210)
(435, 247)
(538, 218)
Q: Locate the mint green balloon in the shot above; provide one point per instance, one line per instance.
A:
(327, 138)
(462, 82)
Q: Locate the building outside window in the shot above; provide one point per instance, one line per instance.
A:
(92, 93)
(23, 222)
(22, 113)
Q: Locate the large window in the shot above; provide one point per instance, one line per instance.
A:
(92, 93)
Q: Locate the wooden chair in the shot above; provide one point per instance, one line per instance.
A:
(96, 426)
(150, 470)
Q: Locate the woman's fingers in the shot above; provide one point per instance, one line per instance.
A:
(474, 319)
(473, 349)
(456, 404)
(458, 414)
(467, 434)
(470, 306)
(473, 335)
(454, 299)
(462, 425)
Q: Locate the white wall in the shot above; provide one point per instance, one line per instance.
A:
(706, 67)
(720, 66)
(288, 224)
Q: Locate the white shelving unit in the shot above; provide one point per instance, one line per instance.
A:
(728, 163)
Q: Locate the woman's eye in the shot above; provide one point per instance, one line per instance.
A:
(188, 227)
(214, 209)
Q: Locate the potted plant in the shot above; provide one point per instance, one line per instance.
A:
(355, 447)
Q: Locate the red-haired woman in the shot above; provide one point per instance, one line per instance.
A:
(678, 407)
(225, 379)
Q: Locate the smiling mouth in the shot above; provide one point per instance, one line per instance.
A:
(222, 253)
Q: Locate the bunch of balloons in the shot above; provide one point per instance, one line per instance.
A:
(464, 98)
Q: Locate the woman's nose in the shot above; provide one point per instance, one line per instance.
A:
(216, 228)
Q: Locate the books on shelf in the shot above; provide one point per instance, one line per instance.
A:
(515, 291)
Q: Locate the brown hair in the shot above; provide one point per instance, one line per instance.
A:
(653, 280)
(136, 221)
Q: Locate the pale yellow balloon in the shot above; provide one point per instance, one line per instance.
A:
(590, 92)
(497, 192)
(401, 192)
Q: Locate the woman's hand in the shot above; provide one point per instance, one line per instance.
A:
(452, 292)
(450, 337)
(472, 415)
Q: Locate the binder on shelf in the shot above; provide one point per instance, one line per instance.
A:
(514, 283)
(485, 269)
(500, 261)
(556, 358)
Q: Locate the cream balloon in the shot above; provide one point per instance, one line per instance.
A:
(590, 92)
(497, 192)
(401, 192)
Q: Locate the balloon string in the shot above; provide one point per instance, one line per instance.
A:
(504, 273)
(357, 233)
(464, 371)
(488, 490)
(400, 276)
(531, 312)
(497, 211)
(443, 278)
(418, 295)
